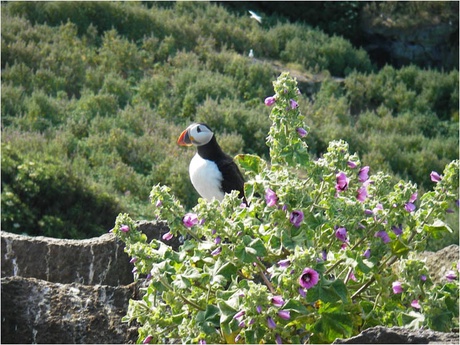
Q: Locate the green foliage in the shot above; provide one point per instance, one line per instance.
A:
(41, 197)
(307, 260)
(106, 87)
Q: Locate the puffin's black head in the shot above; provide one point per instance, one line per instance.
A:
(197, 134)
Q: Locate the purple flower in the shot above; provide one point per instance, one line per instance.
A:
(284, 263)
(367, 253)
(270, 197)
(259, 309)
(277, 301)
(190, 219)
(238, 338)
(217, 240)
(293, 104)
(216, 251)
(269, 101)
(413, 197)
(133, 260)
(239, 314)
(296, 218)
(397, 287)
(124, 228)
(415, 304)
(284, 314)
(397, 230)
(368, 212)
(271, 323)
(202, 342)
(342, 182)
(158, 203)
(423, 277)
(362, 194)
(324, 254)
(308, 278)
(450, 275)
(278, 339)
(242, 324)
(302, 292)
(341, 234)
(383, 235)
(351, 164)
(301, 132)
(147, 339)
(435, 177)
(409, 207)
(363, 174)
(167, 236)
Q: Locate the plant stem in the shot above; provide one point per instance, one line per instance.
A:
(260, 266)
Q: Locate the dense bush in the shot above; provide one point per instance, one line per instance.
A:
(105, 88)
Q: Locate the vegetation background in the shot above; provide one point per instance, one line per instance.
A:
(95, 94)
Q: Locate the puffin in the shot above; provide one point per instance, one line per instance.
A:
(212, 172)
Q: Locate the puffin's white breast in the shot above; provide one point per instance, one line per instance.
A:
(206, 178)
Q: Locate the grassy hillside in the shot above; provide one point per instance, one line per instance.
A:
(94, 95)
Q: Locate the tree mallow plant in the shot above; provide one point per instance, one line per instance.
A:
(323, 249)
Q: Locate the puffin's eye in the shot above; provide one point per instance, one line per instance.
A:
(198, 129)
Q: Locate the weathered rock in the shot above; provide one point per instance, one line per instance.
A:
(37, 311)
(98, 260)
(399, 335)
(438, 263)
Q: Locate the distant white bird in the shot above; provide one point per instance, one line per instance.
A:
(256, 16)
(251, 53)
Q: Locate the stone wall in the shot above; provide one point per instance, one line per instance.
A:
(67, 291)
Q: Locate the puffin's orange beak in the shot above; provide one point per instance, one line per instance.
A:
(184, 139)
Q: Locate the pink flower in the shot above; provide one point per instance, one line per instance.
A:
(362, 194)
(415, 304)
(351, 164)
(296, 218)
(367, 253)
(270, 197)
(293, 104)
(383, 235)
(363, 174)
(167, 236)
(216, 251)
(413, 197)
(435, 177)
(301, 132)
(277, 301)
(190, 219)
(409, 207)
(284, 314)
(239, 314)
(397, 287)
(147, 339)
(124, 228)
(271, 323)
(308, 278)
(284, 263)
(269, 101)
(397, 230)
(341, 234)
(450, 276)
(342, 182)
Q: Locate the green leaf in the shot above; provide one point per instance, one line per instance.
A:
(328, 292)
(251, 163)
(399, 248)
(296, 306)
(437, 228)
(333, 323)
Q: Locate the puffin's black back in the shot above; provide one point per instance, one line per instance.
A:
(232, 177)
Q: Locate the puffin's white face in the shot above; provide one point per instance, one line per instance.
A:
(197, 134)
